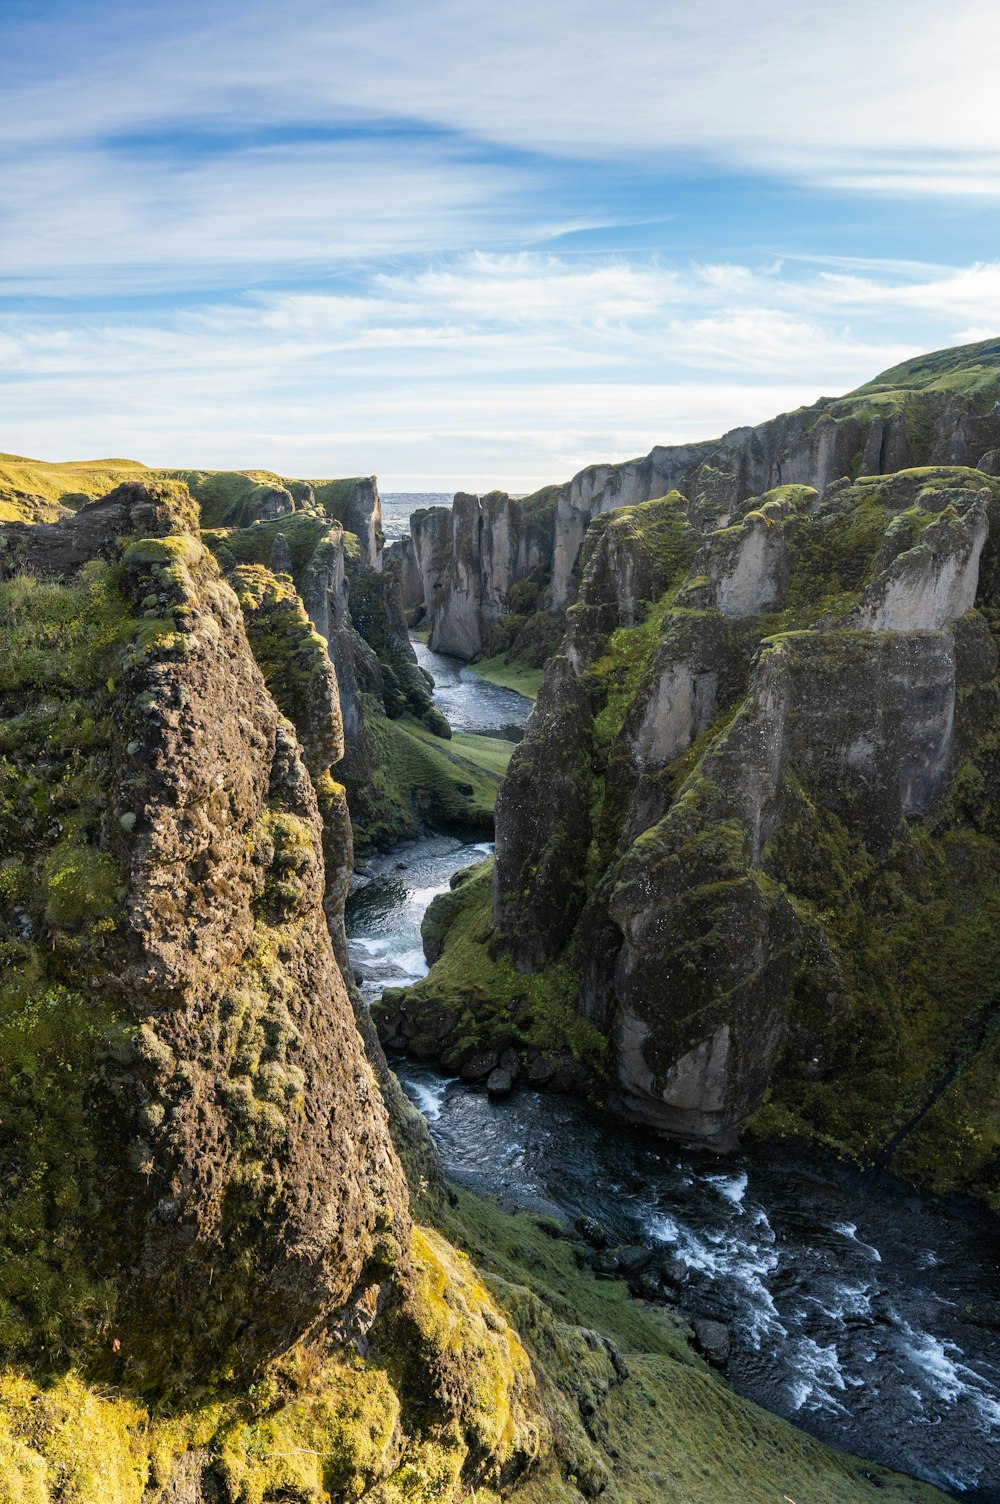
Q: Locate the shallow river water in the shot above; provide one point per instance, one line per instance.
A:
(847, 1296)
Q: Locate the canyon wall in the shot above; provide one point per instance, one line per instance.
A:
(459, 565)
(750, 838)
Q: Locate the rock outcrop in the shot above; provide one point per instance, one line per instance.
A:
(197, 1170)
(357, 609)
(259, 1177)
(459, 566)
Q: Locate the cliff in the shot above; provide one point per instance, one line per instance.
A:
(197, 1166)
(487, 576)
(750, 837)
(399, 779)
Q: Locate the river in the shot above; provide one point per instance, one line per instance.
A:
(857, 1309)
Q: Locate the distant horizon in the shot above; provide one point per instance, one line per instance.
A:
(478, 250)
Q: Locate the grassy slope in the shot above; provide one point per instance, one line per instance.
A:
(477, 760)
(420, 778)
(53, 485)
(517, 676)
(33, 490)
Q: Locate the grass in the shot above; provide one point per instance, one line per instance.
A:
(421, 780)
(519, 677)
(33, 490)
(485, 754)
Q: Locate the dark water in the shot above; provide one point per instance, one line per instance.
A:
(846, 1295)
(397, 506)
(470, 703)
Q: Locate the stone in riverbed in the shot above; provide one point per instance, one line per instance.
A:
(674, 1271)
(479, 1064)
(634, 1259)
(540, 1071)
(588, 1227)
(499, 1083)
(711, 1340)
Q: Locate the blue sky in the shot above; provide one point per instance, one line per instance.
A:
(466, 245)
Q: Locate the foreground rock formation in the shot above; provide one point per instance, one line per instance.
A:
(195, 1155)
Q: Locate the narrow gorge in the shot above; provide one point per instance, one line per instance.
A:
(744, 899)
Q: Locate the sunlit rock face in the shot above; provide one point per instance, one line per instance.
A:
(247, 1169)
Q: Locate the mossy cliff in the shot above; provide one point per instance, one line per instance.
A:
(327, 536)
(399, 778)
(754, 820)
(203, 1209)
(476, 574)
(494, 575)
(39, 491)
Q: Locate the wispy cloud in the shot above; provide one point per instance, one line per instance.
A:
(508, 369)
(363, 235)
(166, 145)
(810, 88)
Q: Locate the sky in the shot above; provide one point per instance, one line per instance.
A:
(464, 245)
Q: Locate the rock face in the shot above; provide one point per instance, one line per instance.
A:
(756, 814)
(467, 559)
(357, 608)
(941, 409)
(200, 1189)
(260, 1175)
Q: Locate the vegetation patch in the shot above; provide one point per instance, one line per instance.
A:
(510, 674)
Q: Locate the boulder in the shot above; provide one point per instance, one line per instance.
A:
(711, 1340)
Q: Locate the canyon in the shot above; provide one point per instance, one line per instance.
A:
(746, 882)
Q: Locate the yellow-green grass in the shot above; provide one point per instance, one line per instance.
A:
(34, 490)
(466, 751)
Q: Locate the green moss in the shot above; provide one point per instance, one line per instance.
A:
(255, 545)
(418, 781)
(150, 552)
(294, 661)
(81, 886)
(334, 495)
(481, 997)
(963, 369)
(479, 1373)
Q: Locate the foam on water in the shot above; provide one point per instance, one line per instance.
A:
(420, 897)
(733, 1187)
(819, 1373)
(851, 1300)
(850, 1230)
(722, 1256)
(937, 1362)
(427, 1099)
